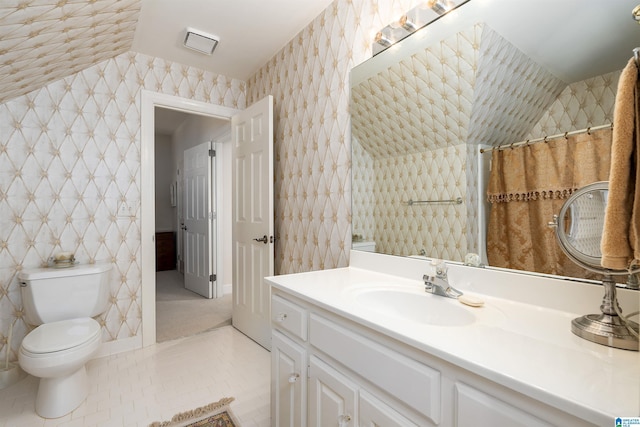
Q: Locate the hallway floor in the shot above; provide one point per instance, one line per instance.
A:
(152, 384)
(180, 312)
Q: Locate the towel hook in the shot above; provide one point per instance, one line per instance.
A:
(545, 139)
(589, 130)
(566, 135)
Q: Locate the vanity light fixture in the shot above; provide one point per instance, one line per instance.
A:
(438, 6)
(200, 41)
(412, 21)
(382, 40)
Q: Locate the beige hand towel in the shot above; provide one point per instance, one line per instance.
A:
(621, 235)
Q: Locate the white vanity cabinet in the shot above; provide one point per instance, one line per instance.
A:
(331, 370)
(325, 375)
(338, 362)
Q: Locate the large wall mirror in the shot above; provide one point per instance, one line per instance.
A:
(491, 73)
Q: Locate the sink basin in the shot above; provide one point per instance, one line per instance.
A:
(414, 306)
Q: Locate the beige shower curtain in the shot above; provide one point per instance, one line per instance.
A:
(527, 186)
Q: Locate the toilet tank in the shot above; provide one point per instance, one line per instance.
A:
(364, 246)
(52, 294)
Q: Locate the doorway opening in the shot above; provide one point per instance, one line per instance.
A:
(199, 122)
(188, 300)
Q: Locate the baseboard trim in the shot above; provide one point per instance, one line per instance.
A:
(119, 346)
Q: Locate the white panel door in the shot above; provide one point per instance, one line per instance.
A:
(199, 217)
(252, 188)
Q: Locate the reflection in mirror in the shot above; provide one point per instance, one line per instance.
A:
(476, 78)
(584, 221)
(579, 228)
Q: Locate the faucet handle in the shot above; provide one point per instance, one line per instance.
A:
(428, 282)
(441, 268)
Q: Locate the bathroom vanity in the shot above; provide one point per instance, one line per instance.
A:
(365, 345)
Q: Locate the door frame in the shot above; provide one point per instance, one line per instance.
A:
(148, 101)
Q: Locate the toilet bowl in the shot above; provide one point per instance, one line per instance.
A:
(62, 303)
(57, 353)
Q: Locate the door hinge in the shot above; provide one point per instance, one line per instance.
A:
(212, 153)
(213, 277)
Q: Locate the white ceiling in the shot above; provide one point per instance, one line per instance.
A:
(250, 31)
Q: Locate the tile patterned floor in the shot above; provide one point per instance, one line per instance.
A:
(152, 384)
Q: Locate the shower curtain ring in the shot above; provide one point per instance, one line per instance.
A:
(545, 139)
(565, 135)
(511, 146)
(589, 130)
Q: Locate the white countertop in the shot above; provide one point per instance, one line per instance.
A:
(528, 348)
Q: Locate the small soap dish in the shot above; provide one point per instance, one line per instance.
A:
(62, 260)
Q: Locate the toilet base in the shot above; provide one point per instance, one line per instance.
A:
(59, 396)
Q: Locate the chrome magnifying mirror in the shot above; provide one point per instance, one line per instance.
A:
(579, 228)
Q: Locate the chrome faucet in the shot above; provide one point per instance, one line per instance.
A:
(439, 284)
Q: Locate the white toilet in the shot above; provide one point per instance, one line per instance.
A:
(62, 301)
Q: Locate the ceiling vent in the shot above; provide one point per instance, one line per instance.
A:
(200, 42)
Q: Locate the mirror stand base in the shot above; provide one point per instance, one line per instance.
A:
(606, 330)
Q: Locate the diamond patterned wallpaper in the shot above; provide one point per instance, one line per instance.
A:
(45, 34)
(309, 79)
(579, 106)
(439, 229)
(69, 154)
(423, 102)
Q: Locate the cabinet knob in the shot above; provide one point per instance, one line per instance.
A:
(293, 378)
(281, 316)
(343, 420)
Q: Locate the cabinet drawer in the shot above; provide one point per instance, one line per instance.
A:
(473, 405)
(415, 384)
(373, 412)
(288, 316)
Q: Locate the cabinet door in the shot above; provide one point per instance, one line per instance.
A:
(375, 413)
(332, 397)
(288, 382)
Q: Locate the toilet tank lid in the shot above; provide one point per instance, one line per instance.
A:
(76, 270)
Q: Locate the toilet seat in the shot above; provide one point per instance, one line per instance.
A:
(59, 336)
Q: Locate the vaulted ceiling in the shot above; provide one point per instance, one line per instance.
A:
(42, 41)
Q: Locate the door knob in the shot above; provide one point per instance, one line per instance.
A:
(263, 239)
(343, 420)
